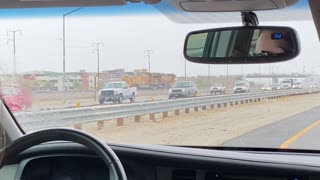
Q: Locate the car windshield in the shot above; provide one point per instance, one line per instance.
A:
(182, 84)
(240, 84)
(64, 59)
(113, 85)
(217, 85)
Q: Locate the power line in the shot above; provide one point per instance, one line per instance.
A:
(13, 39)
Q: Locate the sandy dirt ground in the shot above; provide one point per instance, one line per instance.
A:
(206, 127)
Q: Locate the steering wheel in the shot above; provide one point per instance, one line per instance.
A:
(62, 134)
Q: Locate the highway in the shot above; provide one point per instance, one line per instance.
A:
(44, 101)
(80, 115)
(54, 100)
(298, 131)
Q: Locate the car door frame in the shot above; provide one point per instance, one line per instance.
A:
(126, 91)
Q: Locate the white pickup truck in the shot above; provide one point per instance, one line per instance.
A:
(217, 88)
(241, 87)
(117, 92)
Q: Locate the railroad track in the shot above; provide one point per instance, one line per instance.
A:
(78, 116)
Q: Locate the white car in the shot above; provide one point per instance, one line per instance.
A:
(117, 92)
(241, 87)
(217, 88)
(266, 88)
(297, 85)
(313, 86)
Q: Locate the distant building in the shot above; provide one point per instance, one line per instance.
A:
(51, 81)
(113, 75)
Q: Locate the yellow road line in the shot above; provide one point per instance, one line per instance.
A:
(286, 144)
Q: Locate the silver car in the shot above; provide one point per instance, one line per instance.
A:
(183, 89)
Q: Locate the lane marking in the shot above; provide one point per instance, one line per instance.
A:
(286, 144)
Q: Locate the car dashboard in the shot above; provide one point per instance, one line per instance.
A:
(60, 161)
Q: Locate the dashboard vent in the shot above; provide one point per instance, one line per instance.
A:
(183, 174)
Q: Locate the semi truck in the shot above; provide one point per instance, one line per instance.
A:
(145, 80)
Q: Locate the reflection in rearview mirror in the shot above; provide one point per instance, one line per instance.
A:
(242, 45)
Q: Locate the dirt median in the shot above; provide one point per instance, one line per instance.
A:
(206, 128)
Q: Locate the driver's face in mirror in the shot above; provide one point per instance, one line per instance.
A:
(272, 42)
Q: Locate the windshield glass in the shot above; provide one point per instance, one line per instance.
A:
(182, 84)
(113, 85)
(240, 84)
(61, 74)
(217, 85)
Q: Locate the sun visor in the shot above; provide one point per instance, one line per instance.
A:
(298, 10)
(5, 4)
(230, 5)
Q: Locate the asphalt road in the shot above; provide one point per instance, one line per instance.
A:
(54, 101)
(301, 131)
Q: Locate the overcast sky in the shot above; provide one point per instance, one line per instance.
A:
(125, 38)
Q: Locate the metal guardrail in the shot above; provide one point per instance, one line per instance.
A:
(67, 117)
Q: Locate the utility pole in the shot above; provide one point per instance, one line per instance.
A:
(64, 51)
(13, 39)
(227, 76)
(242, 70)
(269, 74)
(260, 69)
(96, 49)
(209, 72)
(185, 69)
(259, 73)
(147, 53)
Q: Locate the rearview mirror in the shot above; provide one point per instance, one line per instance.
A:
(242, 45)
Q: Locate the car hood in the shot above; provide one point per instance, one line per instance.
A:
(111, 89)
(179, 88)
